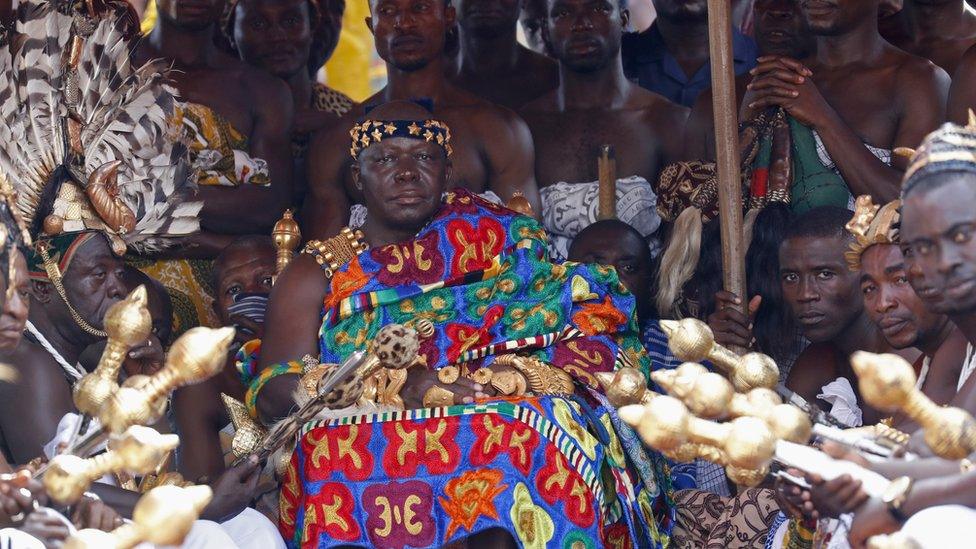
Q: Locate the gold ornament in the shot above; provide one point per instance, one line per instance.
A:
(53, 225)
(625, 386)
(691, 340)
(195, 357)
(425, 328)
(312, 377)
(164, 516)
(665, 424)
(887, 382)
(541, 378)
(448, 375)
(287, 237)
(519, 204)
(127, 324)
(482, 376)
(138, 451)
(871, 225)
(436, 397)
(338, 250)
(509, 383)
(103, 192)
(248, 434)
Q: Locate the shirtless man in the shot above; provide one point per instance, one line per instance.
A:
(824, 295)
(907, 100)
(492, 145)
(493, 64)
(779, 30)
(596, 105)
(254, 103)
(938, 30)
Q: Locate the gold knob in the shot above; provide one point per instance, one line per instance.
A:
(138, 451)
(287, 237)
(665, 424)
(887, 382)
(691, 340)
(164, 516)
(625, 386)
(127, 324)
(248, 434)
(704, 393)
(195, 357)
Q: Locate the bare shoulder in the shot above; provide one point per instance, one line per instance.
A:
(918, 76)
(489, 120)
(658, 110)
(36, 369)
(967, 65)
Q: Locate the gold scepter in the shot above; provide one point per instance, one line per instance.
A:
(287, 237)
(711, 396)
(625, 386)
(138, 451)
(127, 323)
(691, 340)
(163, 517)
(745, 444)
(887, 382)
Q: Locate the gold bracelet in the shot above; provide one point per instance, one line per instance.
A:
(436, 397)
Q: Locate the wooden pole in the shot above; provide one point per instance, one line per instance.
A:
(607, 169)
(726, 110)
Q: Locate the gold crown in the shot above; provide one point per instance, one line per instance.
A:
(370, 132)
(871, 224)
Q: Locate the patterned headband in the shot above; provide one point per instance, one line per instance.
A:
(871, 225)
(949, 148)
(371, 132)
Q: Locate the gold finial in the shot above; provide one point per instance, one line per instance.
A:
(665, 424)
(887, 382)
(127, 324)
(248, 434)
(518, 203)
(287, 237)
(164, 516)
(425, 328)
(625, 386)
(196, 356)
(711, 396)
(871, 224)
(138, 451)
(691, 340)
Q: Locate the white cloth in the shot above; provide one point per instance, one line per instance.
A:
(11, 538)
(967, 366)
(357, 213)
(66, 428)
(252, 530)
(843, 401)
(944, 527)
(568, 208)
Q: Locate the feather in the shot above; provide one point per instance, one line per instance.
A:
(126, 113)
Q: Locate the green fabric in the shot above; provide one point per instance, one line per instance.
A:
(814, 185)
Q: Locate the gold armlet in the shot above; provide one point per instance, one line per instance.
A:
(335, 252)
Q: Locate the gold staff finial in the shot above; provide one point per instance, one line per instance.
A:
(287, 237)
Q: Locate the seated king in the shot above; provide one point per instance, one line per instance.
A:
(498, 433)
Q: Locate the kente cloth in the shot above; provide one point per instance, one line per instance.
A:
(324, 99)
(219, 154)
(710, 521)
(61, 250)
(568, 208)
(549, 470)
(189, 283)
(480, 274)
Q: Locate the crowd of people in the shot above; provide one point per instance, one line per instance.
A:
(467, 202)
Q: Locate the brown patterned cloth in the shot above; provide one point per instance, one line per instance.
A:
(709, 521)
(324, 99)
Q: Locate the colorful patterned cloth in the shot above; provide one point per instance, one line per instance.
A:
(189, 283)
(220, 154)
(552, 471)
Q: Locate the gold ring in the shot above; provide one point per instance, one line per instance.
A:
(448, 375)
(436, 397)
(482, 376)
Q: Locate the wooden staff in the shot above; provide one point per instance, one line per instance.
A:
(725, 111)
(607, 168)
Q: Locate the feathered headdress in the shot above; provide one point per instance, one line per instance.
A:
(86, 139)
(871, 224)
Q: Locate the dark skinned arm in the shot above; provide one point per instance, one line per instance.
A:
(326, 208)
(962, 94)
(785, 82)
(809, 374)
(511, 154)
(31, 409)
(291, 331)
(250, 209)
(699, 142)
(197, 410)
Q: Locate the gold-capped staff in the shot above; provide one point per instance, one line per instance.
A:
(195, 357)
(665, 424)
(691, 340)
(138, 451)
(625, 386)
(887, 382)
(711, 396)
(287, 237)
(127, 323)
(163, 517)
